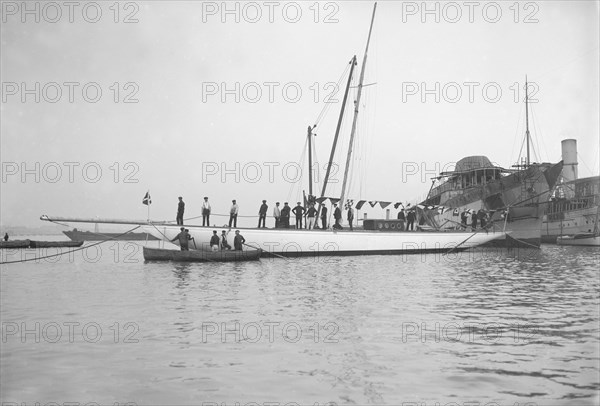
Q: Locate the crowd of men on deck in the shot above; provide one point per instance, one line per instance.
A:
(307, 216)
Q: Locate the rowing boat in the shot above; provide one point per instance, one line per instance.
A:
(53, 244)
(583, 240)
(158, 254)
(15, 244)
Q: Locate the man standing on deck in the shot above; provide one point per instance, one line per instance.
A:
(324, 217)
(482, 216)
(233, 213)
(463, 219)
(206, 213)
(410, 220)
(262, 214)
(285, 216)
(474, 221)
(183, 238)
(402, 218)
(337, 215)
(277, 215)
(238, 241)
(299, 212)
(311, 213)
(350, 217)
(180, 210)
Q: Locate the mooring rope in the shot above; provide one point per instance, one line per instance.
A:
(70, 251)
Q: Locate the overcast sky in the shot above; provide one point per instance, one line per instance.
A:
(168, 121)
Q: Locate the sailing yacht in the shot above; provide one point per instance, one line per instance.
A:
(293, 243)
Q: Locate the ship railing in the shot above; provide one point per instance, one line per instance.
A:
(492, 226)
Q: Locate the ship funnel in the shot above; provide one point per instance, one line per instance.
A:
(569, 157)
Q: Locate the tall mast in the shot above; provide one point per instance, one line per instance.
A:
(527, 120)
(310, 180)
(356, 105)
(339, 126)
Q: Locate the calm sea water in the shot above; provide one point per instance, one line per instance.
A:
(100, 325)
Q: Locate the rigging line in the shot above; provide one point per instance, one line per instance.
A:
(536, 147)
(544, 146)
(302, 163)
(70, 251)
(520, 151)
(516, 136)
(569, 62)
(328, 103)
(579, 157)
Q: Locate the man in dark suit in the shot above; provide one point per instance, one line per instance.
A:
(299, 212)
(337, 215)
(262, 214)
(324, 217)
(180, 210)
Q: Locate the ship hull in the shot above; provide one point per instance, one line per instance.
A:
(516, 203)
(568, 223)
(90, 236)
(299, 243)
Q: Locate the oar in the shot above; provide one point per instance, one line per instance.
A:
(256, 248)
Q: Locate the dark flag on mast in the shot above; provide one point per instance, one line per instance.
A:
(147, 200)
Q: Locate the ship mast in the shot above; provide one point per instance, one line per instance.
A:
(339, 126)
(310, 179)
(356, 106)
(527, 122)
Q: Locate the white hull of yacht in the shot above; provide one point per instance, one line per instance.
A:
(295, 243)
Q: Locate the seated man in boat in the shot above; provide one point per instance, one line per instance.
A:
(224, 244)
(188, 235)
(183, 238)
(238, 241)
(214, 241)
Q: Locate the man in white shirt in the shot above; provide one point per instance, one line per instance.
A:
(276, 214)
(233, 213)
(206, 213)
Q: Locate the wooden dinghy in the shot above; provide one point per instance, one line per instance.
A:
(157, 254)
(583, 240)
(14, 244)
(52, 244)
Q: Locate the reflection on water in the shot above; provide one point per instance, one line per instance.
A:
(485, 326)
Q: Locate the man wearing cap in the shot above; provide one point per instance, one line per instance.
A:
(233, 213)
(277, 215)
(285, 216)
(310, 216)
(238, 241)
(206, 213)
(180, 210)
(262, 214)
(324, 217)
(183, 238)
(224, 244)
(299, 212)
(214, 241)
(337, 215)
